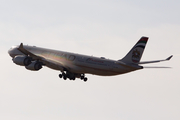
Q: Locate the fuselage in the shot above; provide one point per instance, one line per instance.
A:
(77, 63)
(72, 65)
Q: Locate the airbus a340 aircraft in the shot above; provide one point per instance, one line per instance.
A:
(74, 66)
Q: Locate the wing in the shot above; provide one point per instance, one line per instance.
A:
(26, 52)
(49, 63)
(146, 62)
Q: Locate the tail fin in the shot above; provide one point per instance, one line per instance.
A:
(135, 54)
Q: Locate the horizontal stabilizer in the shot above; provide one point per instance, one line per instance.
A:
(155, 67)
(155, 61)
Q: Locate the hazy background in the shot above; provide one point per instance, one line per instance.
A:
(107, 28)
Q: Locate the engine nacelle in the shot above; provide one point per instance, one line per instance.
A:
(22, 60)
(34, 66)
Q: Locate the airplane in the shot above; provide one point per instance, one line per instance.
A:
(74, 66)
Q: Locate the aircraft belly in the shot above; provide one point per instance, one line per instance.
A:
(54, 66)
(102, 72)
(96, 70)
(109, 71)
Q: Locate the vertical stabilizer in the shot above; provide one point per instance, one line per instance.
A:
(135, 54)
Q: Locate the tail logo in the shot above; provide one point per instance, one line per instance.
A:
(136, 56)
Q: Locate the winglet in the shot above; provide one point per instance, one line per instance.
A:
(22, 49)
(21, 45)
(169, 57)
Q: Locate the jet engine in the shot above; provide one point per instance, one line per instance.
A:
(34, 66)
(22, 60)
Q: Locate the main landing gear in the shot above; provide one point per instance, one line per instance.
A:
(82, 77)
(72, 76)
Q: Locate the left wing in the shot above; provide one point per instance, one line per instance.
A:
(146, 62)
(26, 52)
(47, 62)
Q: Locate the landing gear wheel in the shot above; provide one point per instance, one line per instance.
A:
(60, 75)
(72, 76)
(63, 74)
(82, 77)
(64, 77)
(85, 79)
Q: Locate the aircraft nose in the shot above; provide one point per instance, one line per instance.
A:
(13, 51)
(10, 52)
